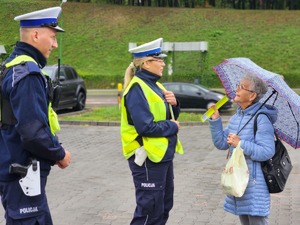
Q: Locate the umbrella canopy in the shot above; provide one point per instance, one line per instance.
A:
(230, 72)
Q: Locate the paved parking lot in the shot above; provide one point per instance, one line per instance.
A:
(97, 188)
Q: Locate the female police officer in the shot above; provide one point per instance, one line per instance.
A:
(149, 134)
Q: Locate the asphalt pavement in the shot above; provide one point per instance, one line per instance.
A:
(97, 188)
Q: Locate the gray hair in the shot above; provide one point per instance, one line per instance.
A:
(257, 85)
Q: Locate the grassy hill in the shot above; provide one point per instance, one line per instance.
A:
(97, 36)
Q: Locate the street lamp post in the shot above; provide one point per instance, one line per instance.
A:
(60, 35)
(60, 42)
(62, 2)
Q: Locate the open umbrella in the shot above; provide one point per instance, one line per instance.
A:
(230, 71)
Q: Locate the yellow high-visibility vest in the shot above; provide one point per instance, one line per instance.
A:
(155, 147)
(52, 116)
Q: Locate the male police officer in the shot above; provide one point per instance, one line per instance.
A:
(28, 144)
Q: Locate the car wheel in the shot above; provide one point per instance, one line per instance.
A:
(209, 104)
(80, 101)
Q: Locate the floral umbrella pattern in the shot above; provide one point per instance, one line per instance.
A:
(230, 71)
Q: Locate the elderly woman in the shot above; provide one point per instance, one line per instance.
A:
(149, 134)
(253, 208)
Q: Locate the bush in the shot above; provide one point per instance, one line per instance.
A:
(209, 79)
(102, 82)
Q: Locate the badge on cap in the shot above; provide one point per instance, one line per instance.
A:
(152, 49)
(41, 18)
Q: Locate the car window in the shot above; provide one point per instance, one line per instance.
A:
(49, 71)
(69, 73)
(75, 75)
(203, 88)
(190, 89)
(62, 74)
(173, 87)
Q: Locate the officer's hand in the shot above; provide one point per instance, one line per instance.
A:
(177, 123)
(170, 97)
(65, 162)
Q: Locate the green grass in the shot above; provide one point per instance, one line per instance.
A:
(110, 113)
(97, 35)
(113, 114)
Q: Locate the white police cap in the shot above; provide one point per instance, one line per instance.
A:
(152, 49)
(41, 18)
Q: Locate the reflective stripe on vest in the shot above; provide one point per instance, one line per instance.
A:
(155, 146)
(18, 60)
(52, 116)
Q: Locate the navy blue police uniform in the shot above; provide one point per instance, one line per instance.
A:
(158, 183)
(153, 177)
(27, 89)
(29, 136)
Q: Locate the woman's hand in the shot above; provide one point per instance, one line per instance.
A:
(170, 97)
(216, 113)
(233, 139)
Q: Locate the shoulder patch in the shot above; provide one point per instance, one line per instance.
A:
(22, 70)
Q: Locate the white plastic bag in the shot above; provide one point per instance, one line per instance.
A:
(235, 176)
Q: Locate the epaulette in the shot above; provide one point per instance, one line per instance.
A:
(23, 69)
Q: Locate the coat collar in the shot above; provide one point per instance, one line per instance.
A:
(23, 48)
(147, 75)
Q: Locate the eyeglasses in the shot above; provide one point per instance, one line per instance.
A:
(239, 87)
(157, 60)
(155, 54)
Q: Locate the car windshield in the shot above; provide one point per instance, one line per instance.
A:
(49, 71)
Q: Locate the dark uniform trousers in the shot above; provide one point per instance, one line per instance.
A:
(154, 190)
(24, 210)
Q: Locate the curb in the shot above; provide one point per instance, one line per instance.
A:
(117, 124)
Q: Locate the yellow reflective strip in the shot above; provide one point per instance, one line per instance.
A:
(18, 60)
(53, 120)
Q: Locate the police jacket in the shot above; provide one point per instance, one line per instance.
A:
(27, 90)
(256, 199)
(140, 116)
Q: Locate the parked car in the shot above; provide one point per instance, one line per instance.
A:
(195, 96)
(72, 92)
